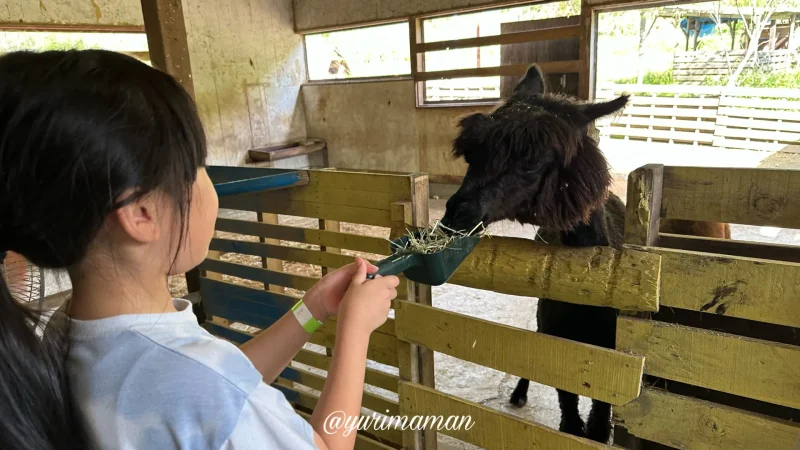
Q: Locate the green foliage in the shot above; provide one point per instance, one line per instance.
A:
(660, 78)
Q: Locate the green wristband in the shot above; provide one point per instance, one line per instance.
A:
(304, 316)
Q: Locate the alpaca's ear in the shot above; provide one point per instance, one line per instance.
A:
(470, 134)
(594, 111)
(533, 82)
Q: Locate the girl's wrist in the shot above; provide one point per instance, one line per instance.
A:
(316, 307)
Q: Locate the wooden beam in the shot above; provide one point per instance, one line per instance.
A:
(751, 368)
(643, 207)
(776, 252)
(508, 71)
(372, 377)
(324, 238)
(747, 288)
(608, 375)
(86, 28)
(598, 276)
(277, 154)
(685, 422)
(502, 39)
(166, 39)
(490, 429)
(766, 197)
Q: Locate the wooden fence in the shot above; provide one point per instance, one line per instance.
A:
(696, 67)
(736, 118)
(626, 279)
(722, 353)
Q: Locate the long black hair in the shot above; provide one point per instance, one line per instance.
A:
(77, 129)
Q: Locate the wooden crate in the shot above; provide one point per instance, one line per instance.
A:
(723, 352)
(394, 202)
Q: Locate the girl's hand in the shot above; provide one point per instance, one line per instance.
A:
(366, 304)
(323, 298)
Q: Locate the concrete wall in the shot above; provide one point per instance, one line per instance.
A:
(72, 12)
(376, 126)
(248, 66)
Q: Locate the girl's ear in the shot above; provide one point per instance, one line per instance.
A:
(139, 219)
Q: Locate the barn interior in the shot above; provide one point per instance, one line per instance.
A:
(275, 91)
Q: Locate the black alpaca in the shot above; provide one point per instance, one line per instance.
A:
(532, 160)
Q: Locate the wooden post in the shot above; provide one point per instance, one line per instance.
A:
(643, 206)
(642, 219)
(169, 51)
(417, 59)
(415, 363)
(586, 53)
(773, 34)
(269, 263)
(166, 39)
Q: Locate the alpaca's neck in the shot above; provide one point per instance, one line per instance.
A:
(587, 234)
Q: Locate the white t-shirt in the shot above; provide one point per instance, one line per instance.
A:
(160, 381)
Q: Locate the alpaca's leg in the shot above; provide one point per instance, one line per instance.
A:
(571, 421)
(520, 395)
(599, 426)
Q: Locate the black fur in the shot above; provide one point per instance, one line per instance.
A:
(532, 160)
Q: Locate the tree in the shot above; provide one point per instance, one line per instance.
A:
(761, 13)
(645, 16)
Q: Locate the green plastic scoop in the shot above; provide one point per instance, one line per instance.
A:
(433, 269)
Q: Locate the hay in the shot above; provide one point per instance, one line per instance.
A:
(435, 238)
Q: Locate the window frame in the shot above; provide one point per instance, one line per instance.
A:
(418, 47)
(352, 80)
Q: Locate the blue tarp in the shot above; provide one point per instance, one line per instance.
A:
(706, 25)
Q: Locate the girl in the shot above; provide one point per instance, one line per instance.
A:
(102, 173)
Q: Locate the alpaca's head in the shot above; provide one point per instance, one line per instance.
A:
(531, 160)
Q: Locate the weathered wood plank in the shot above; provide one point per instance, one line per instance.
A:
(502, 39)
(658, 134)
(759, 124)
(382, 348)
(781, 105)
(670, 112)
(747, 367)
(759, 113)
(748, 288)
(488, 428)
(721, 141)
(704, 125)
(599, 276)
(673, 101)
(352, 214)
(509, 70)
(281, 252)
(595, 372)
(767, 135)
(744, 196)
(335, 239)
(299, 282)
(320, 180)
(368, 400)
(692, 424)
(643, 207)
(373, 377)
(777, 252)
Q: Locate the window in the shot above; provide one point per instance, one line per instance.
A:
(134, 44)
(479, 56)
(357, 53)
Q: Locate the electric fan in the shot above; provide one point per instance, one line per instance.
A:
(25, 281)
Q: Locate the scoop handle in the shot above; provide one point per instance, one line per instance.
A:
(394, 265)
